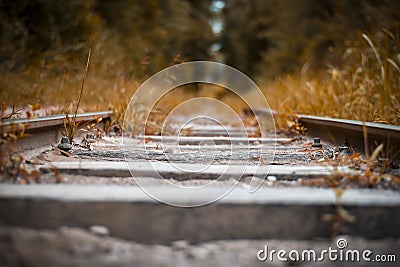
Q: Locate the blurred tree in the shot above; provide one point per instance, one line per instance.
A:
(142, 36)
(314, 34)
(242, 39)
(154, 34)
(267, 38)
(270, 38)
(197, 36)
(31, 29)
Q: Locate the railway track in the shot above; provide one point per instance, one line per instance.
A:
(340, 132)
(242, 187)
(43, 131)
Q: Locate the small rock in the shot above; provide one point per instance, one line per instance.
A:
(271, 178)
(99, 230)
(179, 245)
(198, 252)
(256, 143)
(269, 183)
(64, 146)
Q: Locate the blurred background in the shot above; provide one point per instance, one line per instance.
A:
(338, 58)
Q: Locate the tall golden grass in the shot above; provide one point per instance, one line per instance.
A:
(366, 87)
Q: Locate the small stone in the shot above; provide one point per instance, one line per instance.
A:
(269, 183)
(198, 252)
(179, 244)
(64, 146)
(99, 230)
(256, 143)
(271, 178)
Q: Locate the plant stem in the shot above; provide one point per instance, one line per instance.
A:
(83, 83)
(366, 146)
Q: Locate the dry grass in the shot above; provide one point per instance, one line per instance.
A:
(366, 88)
(70, 124)
(12, 165)
(46, 93)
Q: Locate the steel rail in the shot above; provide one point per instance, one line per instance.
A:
(351, 132)
(46, 130)
(56, 120)
(342, 132)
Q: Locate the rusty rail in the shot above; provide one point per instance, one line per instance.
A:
(46, 130)
(351, 132)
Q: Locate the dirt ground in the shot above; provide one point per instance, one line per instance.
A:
(82, 247)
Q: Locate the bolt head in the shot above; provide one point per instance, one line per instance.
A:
(64, 146)
(317, 142)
